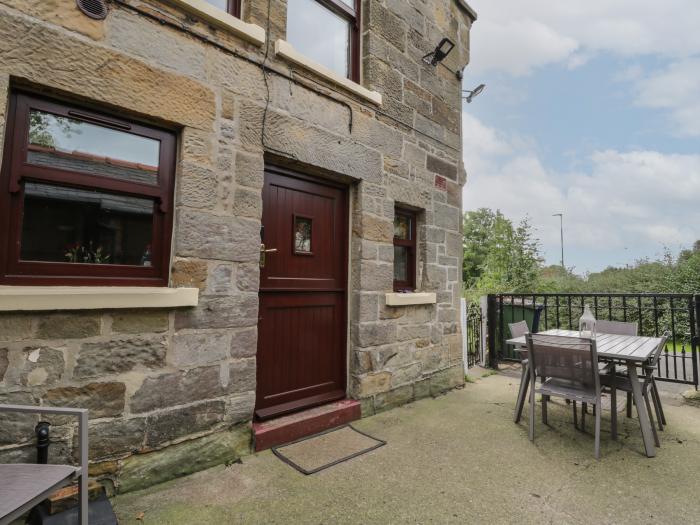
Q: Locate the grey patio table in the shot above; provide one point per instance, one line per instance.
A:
(630, 350)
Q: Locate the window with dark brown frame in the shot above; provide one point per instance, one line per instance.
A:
(328, 32)
(404, 250)
(232, 7)
(86, 198)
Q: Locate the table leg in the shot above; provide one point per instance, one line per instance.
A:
(613, 406)
(644, 422)
(522, 392)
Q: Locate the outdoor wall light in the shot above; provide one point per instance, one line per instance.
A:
(441, 51)
(473, 93)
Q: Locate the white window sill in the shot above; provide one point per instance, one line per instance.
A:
(410, 299)
(250, 32)
(286, 50)
(42, 298)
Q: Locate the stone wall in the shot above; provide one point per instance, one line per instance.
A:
(171, 392)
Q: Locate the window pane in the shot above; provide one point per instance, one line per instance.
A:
(350, 3)
(69, 144)
(63, 224)
(402, 227)
(302, 235)
(221, 4)
(400, 263)
(319, 34)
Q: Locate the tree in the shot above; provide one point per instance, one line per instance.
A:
(478, 229)
(498, 256)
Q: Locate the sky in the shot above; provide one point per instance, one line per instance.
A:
(591, 109)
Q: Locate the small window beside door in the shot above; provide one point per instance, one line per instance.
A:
(404, 250)
(233, 7)
(327, 31)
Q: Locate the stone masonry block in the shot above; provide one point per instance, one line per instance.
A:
(68, 326)
(116, 437)
(393, 398)
(62, 14)
(200, 348)
(373, 334)
(15, 326)
(447, 379)
(174, 424)
(197, 186)
(4, 363)
(371, 384)
(211, 236)
(189, 273)
(242, 375)
(119, 356)
(17, 428)
(249, 169)
(140, 322)
(235, 311)
(101, 399)
(42, 366)
(240, 407)
(247, 203)
(377, 277)
(244, 343)
(177, 388)
(155, 43)
(220, 279)
(383, 22)
(406, 375)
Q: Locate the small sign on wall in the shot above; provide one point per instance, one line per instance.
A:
(440, 183)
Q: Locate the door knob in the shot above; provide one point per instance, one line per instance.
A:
(263, 254)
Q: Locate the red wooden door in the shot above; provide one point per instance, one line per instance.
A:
(303, 302)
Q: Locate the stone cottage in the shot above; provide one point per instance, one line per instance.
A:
(225, 223)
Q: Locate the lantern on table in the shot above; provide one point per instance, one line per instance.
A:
(586, 325)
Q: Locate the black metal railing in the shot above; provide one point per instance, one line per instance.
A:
(654, 314)
(474, 323)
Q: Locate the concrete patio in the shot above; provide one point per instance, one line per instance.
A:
(458, 458)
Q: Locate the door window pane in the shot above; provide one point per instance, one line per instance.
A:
(302, 235)
(74, 145)
(62, 224)
(400, 263)
(319, 34)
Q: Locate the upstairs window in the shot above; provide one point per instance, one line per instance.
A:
(85, 197)
(232, 7)
(328, 32)
(404, 250)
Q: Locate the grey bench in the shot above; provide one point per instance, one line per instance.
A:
(22, 486)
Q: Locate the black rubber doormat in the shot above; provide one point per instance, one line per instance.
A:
(321, 451)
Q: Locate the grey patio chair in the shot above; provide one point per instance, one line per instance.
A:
(519, 329)
(570, 366)
(614, 328)
(619, 381)
(22, 485)
(624, 328)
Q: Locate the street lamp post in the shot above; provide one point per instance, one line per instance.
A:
(561, 229)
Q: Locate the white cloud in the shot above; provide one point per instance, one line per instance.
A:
(632, 203)
(518, 46)
(516, 36)
(675, 88)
